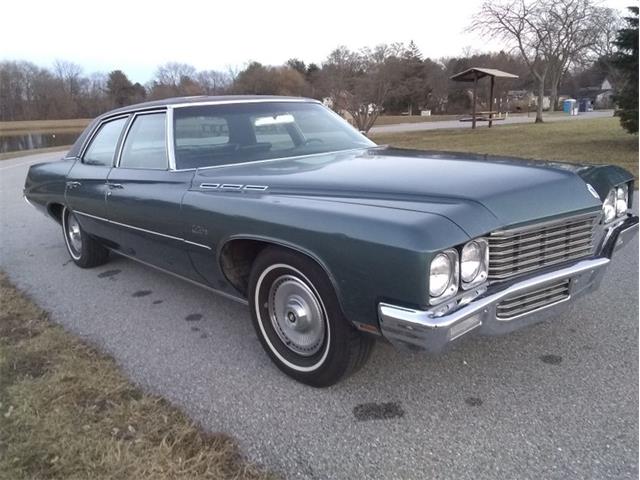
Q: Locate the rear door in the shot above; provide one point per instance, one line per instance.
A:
(86, 188)
(144, 197)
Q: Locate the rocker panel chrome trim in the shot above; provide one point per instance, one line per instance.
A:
(171, 237)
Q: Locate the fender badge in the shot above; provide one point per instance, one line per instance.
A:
(592, 191)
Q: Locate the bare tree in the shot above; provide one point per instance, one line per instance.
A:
(550, 35)
(573, 27)
(213, 82)
(607, 22)
(70, 75)
(359, 83)
(337, 75)
(93, 97)
(522, 25)
(172, 73)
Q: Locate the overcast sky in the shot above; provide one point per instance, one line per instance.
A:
(137, 36)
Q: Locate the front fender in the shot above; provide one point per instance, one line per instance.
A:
(370, 253)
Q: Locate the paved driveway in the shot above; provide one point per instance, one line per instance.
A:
(416, 127)
(557, 401)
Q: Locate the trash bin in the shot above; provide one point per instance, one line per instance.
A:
(585, 105)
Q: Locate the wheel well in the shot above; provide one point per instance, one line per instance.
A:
(237, 257)
(55, 210)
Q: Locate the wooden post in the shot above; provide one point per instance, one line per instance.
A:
(491, 101)
(473, 111)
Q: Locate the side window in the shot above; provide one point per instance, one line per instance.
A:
(103, 146)
(146, 145)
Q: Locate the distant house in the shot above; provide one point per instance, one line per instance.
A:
(343, 99)
(329, 102)
(524, 100)
(600, 96)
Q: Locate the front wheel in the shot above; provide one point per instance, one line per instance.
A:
(85, 251)
(299, 322)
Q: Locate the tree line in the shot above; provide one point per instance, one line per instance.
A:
(554, 46)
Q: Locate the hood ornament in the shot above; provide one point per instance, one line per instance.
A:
(592, 191)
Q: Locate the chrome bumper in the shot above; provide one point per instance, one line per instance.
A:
(422, 330)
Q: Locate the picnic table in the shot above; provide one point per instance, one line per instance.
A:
(487, 116)
(473, 75)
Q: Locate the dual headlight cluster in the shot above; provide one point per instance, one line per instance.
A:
(452, 269)
(616, 204)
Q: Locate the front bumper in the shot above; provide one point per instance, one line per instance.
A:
(422, 330)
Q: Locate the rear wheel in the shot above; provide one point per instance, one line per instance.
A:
(85, 251)
(299, 322)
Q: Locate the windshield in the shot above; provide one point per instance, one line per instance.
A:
(210, 135)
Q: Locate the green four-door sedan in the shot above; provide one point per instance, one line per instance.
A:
(331, 240)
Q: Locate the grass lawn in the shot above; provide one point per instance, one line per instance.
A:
(43, 126)
(66, 411)
(585, 141)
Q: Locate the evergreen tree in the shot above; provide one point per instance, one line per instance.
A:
(120, 89)
(627, 62)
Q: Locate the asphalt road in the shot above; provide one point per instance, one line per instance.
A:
(420, 126)
(556, 401)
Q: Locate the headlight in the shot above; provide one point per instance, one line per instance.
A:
(609, 206)
(473, 262)
(443, 275)
(622, 199)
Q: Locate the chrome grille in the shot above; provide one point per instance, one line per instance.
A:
(533, 300)
(518, 251)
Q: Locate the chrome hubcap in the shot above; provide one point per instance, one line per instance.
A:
(296, 315)
(74, 234)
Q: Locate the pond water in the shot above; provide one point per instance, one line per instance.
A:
(30, 141)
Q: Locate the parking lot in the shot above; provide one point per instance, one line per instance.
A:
(558, 400)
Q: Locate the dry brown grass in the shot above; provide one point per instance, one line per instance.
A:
(67, 412)
(26, 153)
(600, 141)
(43, 126)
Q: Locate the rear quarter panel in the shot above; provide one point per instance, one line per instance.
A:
(45, 183)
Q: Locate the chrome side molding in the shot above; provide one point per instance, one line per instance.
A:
(144, 230)
(234, 187)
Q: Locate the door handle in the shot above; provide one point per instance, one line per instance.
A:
(114, 185)
(71, 185)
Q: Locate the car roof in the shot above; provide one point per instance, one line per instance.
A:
(205, 99)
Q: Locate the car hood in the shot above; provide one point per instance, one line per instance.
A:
(478, 193)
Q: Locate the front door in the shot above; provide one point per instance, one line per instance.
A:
(86, 188)
(144, 198)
